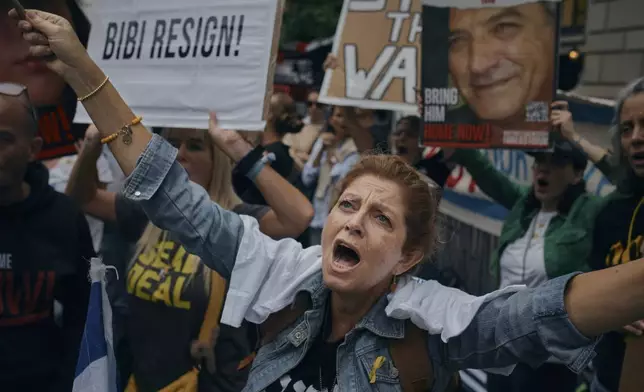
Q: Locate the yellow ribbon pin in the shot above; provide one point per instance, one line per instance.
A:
(377, 364)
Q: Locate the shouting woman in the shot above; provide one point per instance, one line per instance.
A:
(356, 289)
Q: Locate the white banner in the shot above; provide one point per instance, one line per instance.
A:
(175, 61)
(463, 200)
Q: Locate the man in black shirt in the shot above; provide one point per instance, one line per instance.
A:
(45, 247)
(282, 120)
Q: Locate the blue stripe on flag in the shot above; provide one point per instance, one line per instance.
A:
(93, 345)
(480, 206)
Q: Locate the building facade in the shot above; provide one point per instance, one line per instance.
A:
(614, 47)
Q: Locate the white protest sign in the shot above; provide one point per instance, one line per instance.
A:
(175, 61)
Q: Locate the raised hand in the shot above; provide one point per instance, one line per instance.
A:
(92, 136)
(230, 142)
(51, 38)
(636, 328)
(328, 139)
(562, 119)
(91, 143)
(331, 62)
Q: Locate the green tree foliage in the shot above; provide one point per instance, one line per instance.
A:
(306, 20)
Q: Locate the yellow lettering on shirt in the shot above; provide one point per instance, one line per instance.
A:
(177, 261)
(144, 284)
(618, 254)
(146, 258)
(133, 277)
(176, 294)
(162, 293)
(164, 251)
(190, 265)
(145, 280)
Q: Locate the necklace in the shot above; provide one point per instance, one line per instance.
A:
(324, 389)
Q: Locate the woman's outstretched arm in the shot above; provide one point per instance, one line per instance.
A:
(155, 179)
(561, 318)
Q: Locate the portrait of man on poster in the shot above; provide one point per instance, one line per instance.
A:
(502, 61)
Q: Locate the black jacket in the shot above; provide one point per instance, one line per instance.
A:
(618, 239)
(45, 247)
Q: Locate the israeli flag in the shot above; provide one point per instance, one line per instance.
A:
(96, 368)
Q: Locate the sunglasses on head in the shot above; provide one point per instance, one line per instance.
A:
(18, 91)
(12, 89)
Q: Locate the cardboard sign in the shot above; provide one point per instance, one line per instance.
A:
(489, 70)
(174, 62)
(377, 46)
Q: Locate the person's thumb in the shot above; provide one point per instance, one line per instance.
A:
(43, 22)
(213, 122)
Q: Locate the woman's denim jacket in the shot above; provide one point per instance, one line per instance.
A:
(527, 326)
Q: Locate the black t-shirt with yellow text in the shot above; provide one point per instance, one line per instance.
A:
(618, 239)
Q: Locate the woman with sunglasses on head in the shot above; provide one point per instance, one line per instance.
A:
(353, 293)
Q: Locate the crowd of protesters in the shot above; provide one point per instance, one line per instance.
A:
(289, 262)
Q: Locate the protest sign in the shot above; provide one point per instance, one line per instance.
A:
(174, 62)
(489, 72)
(377, 47)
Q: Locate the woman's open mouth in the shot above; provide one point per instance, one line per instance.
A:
(345, 256)
(542, 184)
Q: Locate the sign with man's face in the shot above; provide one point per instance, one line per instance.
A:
(489, 72)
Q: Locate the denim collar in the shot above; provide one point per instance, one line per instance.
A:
(376, 320)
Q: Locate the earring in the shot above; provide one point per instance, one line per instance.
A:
(394, 284)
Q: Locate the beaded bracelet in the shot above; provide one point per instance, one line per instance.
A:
(126, 132)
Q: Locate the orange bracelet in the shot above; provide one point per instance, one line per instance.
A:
(126, 131)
